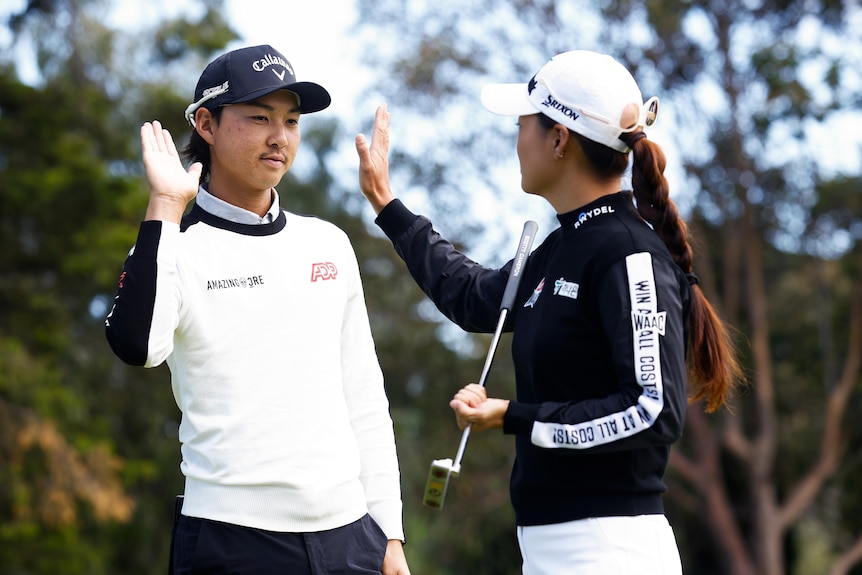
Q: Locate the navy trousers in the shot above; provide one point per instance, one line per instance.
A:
(206, 547)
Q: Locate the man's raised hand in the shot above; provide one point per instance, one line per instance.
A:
(172, 187)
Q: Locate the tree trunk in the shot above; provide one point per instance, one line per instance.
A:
(704, 473)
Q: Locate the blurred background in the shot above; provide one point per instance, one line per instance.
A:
(762, 124)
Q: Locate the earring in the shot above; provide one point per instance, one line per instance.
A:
(559, 156)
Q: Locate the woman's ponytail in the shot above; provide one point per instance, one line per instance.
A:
(711, 354)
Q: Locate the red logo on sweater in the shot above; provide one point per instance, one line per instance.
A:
(323, 271)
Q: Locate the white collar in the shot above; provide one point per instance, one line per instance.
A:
(230, 212)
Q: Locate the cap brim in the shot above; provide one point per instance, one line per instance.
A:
(508, 100)
(312, 97)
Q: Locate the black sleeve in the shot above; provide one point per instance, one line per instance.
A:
(464, 291)
(128, 324)
(643, 316)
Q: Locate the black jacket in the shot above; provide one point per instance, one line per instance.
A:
(599, 346)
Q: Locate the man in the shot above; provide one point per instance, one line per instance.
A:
(287, 442)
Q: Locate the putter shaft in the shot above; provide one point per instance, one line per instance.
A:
(443, 469)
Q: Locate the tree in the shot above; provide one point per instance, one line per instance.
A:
(87, 454)
(746, 86)
(88, 447)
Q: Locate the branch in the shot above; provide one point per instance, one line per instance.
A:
(684, 465)
(850, 558)
(678, 493)
(718, 509)
(836, 404)
(734, 439)
(764, 388)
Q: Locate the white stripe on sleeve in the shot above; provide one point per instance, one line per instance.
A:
(647, 325)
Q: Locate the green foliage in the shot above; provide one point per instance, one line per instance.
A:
(88, 448)
(175, 39)
(71, 197)
(743, 85)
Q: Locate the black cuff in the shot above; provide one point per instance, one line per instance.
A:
(519, 418)
(149, 234)
(395, 219)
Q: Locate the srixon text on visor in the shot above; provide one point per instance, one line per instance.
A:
(550, 102)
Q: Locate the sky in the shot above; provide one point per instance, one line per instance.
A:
(313, 35)
(317, 39)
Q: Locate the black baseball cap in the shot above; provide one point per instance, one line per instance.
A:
(248, 73)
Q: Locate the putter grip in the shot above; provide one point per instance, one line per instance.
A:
(527, 237)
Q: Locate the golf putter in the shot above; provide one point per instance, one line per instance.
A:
(443, 469)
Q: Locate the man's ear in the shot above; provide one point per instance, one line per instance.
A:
(204, 123)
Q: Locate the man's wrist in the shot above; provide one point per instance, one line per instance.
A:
(165, 210)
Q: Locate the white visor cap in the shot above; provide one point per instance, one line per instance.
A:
(585, 91)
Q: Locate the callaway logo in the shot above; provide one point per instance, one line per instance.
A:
(323, 271)
(229, 283)
(270, 60)
(588, 215)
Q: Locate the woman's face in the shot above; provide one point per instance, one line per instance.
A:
(536, 154)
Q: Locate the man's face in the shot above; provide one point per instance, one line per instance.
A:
(254, 144)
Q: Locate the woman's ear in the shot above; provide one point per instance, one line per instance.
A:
(561, 133)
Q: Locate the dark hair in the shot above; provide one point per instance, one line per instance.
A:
(198, 150)
(606, 162)
(712, 361)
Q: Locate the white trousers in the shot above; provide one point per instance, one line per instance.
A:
(644, 544)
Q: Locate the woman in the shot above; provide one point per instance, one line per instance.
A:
(607, 314)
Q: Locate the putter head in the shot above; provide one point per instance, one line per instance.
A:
(438, 482)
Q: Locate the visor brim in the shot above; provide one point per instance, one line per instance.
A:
(508, 100)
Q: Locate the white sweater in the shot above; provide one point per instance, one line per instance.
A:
(285, 420)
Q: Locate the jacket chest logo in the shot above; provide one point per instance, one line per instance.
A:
(536, 293)
(323, 271)
(238, 282)
(566, 289)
